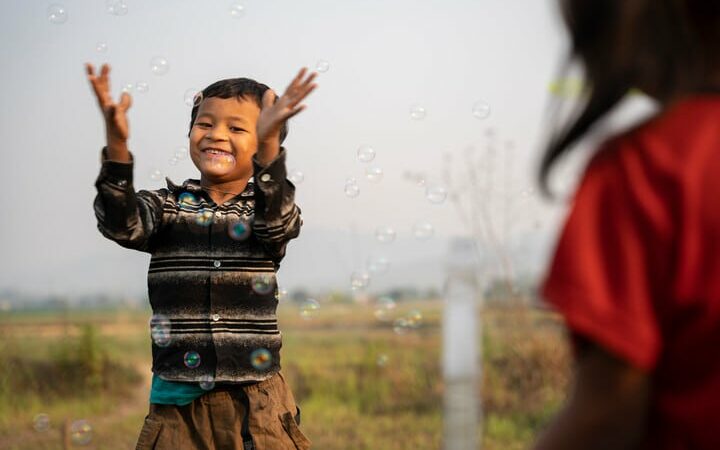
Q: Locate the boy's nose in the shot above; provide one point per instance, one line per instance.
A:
(214, 135)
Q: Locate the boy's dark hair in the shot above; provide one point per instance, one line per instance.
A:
(667, 47)
(244, 88)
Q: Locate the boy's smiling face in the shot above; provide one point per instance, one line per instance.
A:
(223, 138)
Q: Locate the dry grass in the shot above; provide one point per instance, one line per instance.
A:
(348, 400)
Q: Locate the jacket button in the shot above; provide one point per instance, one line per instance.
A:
(216, 317)
(265, 177)
(217, 263)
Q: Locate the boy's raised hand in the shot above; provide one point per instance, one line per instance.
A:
(275, 113)
(116, 123)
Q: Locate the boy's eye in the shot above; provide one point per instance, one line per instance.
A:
(237, 129)
(203, 124)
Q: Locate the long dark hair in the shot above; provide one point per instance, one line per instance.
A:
(663, 47)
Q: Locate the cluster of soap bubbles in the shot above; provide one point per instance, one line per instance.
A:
(480, 110)
(261, 359)
(385, 310)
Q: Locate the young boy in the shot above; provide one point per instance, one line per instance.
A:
(216, 244)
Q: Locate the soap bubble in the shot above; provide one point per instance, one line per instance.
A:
(414, 318)
(261, 359)
(181, 152)
(417, 112)
(263, 284)
(187, 201)
(309, 308)
(359, 280)
(352, 189)
(281, 294)
(57, 14)
(382, 360)
(385, 308)
(117, 7)
(365, 153)
(401, 326)
(81, 432)
(127, 87)
(239, 230)
(173, 161)
(159, 65)
(192, 97)
(322, 66)
(481, 110)
(204, 218)
(142, 87)
(191, 359)
(377, 264)
(41, 422)
(237, 11)
(160, 330)
(436, 194)
(207, 382)
(101, 47)
(423, 231)
(296, 177)
(385, 234)
(374, 174)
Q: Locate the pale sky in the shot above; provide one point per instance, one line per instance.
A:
(384, 57)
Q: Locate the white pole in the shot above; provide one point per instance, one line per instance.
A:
(461, 351)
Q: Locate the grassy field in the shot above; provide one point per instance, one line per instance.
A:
(360, 384)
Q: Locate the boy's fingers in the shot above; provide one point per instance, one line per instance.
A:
(310, 78)
(268, 98)
(125, 101)
(295, 111)
(299, 76)
(301, 95)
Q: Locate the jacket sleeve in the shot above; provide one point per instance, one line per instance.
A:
(277, 217)
(127, 217)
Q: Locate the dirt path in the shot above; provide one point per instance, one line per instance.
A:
(29, 439)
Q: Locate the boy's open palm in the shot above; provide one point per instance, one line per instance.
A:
(114, 113)
(274, 113)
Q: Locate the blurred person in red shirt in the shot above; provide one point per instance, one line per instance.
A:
(636, 273)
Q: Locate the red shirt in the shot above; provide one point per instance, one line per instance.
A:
(637, 267)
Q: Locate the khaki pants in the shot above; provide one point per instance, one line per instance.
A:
(219, 420)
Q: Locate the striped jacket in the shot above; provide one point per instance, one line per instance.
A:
(211, 280)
